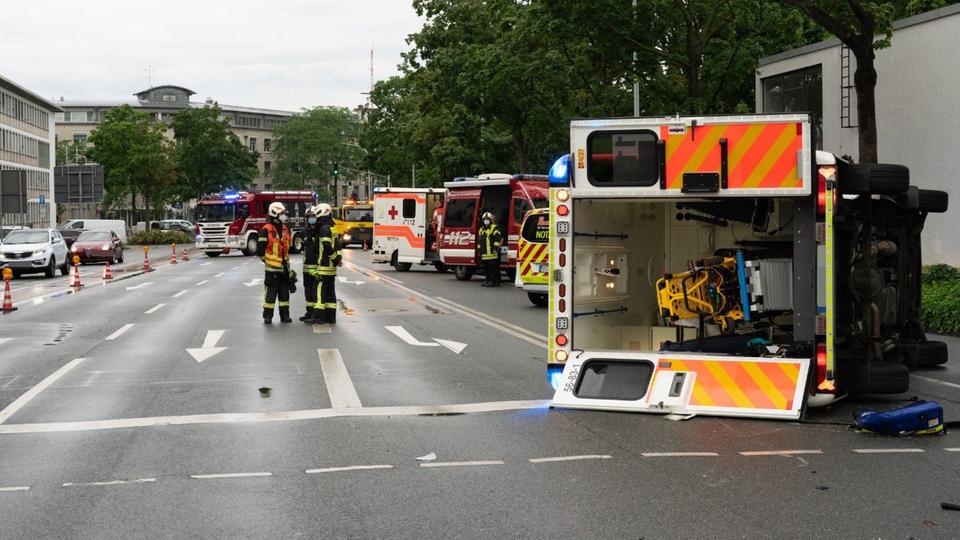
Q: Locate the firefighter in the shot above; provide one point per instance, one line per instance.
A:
(311, 256)
(488, 242)
(273, 247)
(325, 307)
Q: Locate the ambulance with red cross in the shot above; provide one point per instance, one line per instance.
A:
(405, 226)
(723, 265)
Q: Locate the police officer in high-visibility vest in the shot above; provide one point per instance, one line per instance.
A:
(325, 308)
(311, 257)
(488, 243)
(273, 247)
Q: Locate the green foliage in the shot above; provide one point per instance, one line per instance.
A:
(71, 152)
(940, 272)
(209, 157)
(307, 147)
(941, 306)
(154, 238)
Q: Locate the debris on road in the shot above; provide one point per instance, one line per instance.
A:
(950, 506)
(429, 457)
(920, 418)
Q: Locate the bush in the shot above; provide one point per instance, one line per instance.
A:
(940, 272)
(152, 238)
(940, 311)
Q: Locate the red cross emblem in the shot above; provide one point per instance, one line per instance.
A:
(393, 212)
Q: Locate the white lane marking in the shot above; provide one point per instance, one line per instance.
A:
(680, 454)
(402, 333)
(209, 347)
(952, 449)
(181, 293)
(140, 286)
(205, 264)
(339, 386)
(569, 458)
(936, 381)
(343, 279)
(779, 452)
(503, 326)
(15, 488)
(40, 387)
(119, 332)
(460, 463)
(111, 482)
(220, 274)
(230, 475)
(253, 282)
(154, 309)
(351, 468)
(322, 329)
(888, 450)
(201, 282)
(235, 268)
(509, 325)
(454, 346)
(5, 339)
(280, 416)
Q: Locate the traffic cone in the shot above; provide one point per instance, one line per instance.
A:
(365, 245)
(107, 274)
(185, 258)
(173, 255)
(75, 282)
(146, 260)
(7, 300)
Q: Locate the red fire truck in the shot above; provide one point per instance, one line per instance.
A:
(507, 197)
(232, 220)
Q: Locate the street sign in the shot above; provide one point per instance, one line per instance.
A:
(43, 200)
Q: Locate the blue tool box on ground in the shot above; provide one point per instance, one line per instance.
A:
(920, 418)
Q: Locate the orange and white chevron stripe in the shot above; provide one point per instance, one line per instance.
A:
(740, 384)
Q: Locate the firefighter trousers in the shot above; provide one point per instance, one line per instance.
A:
(310, 283)
(276, 287)
(326, 295)
(491, 271)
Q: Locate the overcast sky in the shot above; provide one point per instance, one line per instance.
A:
(280, 54)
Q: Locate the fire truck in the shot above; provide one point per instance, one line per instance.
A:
(405, 225)
(507, 197)
(723, 266)
(232, 220)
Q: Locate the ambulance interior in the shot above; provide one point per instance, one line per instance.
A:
(434, 201)
(641, 282)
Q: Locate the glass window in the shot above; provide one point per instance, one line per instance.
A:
(356, 215)
(26, 237)
(460, 213)
(94, 236)
(266, 145)
(266, 164)
(253, 143)
(797, 91)
(214, 212)
(520, 207)
(409, 208)
(627, 158)
(536, 229)
(603, 379)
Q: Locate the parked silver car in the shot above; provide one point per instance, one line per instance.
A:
(30, 251)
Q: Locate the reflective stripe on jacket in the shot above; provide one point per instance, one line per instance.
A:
(489, 242)
(327, 265)
(276, 247)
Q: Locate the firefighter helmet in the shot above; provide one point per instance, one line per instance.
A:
(275, 209)
(488, 215)
(323, 209)
(311, 211)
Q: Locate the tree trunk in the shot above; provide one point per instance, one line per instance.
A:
(133, 204)
(521, 148)
(865, 82)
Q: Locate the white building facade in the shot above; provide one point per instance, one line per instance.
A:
(918, 105)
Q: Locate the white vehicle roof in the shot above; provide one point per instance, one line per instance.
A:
(409, 190)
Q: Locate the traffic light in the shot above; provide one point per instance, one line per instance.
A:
(336, 169)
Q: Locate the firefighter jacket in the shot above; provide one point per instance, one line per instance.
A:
(311, 250)
(488, 241)
(329, 257)
(273, 247)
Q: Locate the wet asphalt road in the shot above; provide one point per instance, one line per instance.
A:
(111, 428)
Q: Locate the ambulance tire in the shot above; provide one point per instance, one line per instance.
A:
(877, 378)
(873, 179)
(440, 267)
(928, 354)
(213, 253)
(463, 273)
(538, 299)
(402, 267)
(933, 201)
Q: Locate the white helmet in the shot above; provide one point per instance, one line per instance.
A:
(487, 215)
(276, 208)
(323, 209)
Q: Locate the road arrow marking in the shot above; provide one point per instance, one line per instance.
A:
(4, 340)
(402, 333)
(454, 346)
(253, 282)
(339, 386)
(209, 347)
(343, 279)
(140, 286)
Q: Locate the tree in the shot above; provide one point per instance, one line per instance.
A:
(309, 145)
(857, 24)
(72, 152)
(135, 156)
(209, 157)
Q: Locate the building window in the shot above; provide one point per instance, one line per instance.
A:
(267, 187)
(266, 145)
(797, 91)
(169, 97)
(79, 138)
(80, 116)
(266, 167)
(253, 144)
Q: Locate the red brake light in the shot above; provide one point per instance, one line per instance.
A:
(563, 260)
(563, 210)
(561, 340)
(821, 195)
(562, 305)
(563, 244)
(563, 289)
(823, 385)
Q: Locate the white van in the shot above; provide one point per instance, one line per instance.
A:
(405, 225)
(116, 225)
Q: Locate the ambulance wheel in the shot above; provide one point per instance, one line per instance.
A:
(875, 179)
(440, 267)
(538, 299)
(918, 355)
(463, 273)
(934, 201)
(251, 248)
(402, 267)
(878, 378)
(212, 253)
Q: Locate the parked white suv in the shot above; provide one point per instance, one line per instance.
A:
(29, 251)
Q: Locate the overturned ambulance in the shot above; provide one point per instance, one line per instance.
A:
(723, 266)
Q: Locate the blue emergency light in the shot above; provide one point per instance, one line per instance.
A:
(554, 375)
(560, 172)
(231, 195)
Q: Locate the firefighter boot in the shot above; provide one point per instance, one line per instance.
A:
(285, 314)
(308, 317)
(267, 315)
(317, 316)
(331, 315)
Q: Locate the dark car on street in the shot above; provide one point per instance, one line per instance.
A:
(98, 246)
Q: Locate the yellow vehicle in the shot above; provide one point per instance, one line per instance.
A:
(354, 223)
(533, 256)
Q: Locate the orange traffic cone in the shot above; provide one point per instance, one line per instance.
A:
(107, 274)
(185, 258)
(75, 282)
(173, 255)
(7, 300)
(146, 260)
